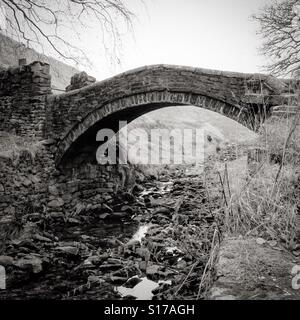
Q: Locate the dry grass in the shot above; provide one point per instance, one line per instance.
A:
(12, 147)
(268, 204)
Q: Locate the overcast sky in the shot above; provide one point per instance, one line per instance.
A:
(215, 34)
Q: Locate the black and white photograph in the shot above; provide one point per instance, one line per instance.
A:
(149, 150)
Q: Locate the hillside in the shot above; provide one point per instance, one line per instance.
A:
(11, 51)
(217, 129)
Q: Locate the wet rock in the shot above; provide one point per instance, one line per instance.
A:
(128, 197)
(118, 280)
(132, 282)
(41, 238)
(6, 261)
(93, 260)
(110, 267)
(152, 270)
(31, 263)
(34, 217)
(133, 244)
(68, 250)
(127, 209)
(104, 216)
(25, 244)
(260, 241)
(181, 264)
(143, 266)
(53, 190)
(143, 253)
(25, 182)
(96, 279)
(138, 188)
(162, 210)
(73, 221)
(57, 203)
(119, 214)
(57, 215)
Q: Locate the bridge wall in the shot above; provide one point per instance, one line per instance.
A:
(23, 93)
(31, 184)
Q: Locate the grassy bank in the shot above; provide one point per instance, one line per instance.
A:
(268, 205)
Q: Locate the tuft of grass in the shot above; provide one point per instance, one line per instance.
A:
(14, 147)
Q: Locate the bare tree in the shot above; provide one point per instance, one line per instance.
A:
(279, 26)
(55, 24)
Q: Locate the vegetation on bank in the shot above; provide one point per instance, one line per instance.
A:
(268, 204)
(13, 146)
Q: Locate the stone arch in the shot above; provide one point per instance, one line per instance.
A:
(131, 107)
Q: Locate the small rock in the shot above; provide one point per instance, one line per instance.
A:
(53, 190)
(95, 279)
(272, 243)
(163, 210)
(118, 280)
(144, 253)
(127, 209)
(41, 238)
(68, 250)
(143, 265)
(133, 244)
(34, 217)
(119, 214)
(73, 221)
(104, 216)
(152, 269)
(34, 263)
(57, 215)
(296, 253)
(110, 267)
(260, 241)
(181, 264)
(26, 182)
(59, 202)
(6, 261)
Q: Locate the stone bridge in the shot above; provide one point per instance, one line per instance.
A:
(76, 116)
(71, 120)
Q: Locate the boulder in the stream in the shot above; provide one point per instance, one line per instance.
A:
(152, 270)
(162, 210)
(6, 261)
(29, 262)
(120, 215)
(68, 250)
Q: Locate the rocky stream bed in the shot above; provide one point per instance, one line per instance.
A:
(152, 244)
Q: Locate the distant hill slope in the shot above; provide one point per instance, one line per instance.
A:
(217, 130)
(11, 51)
